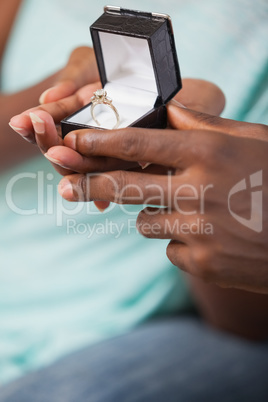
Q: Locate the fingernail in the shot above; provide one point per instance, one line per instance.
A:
(102, 205)
(44, 94)
(70, 140)
(65, 189)
(21, 131)
(144, 165)
(101, 209)
(176, 103)
(56, 161)
(38, 124)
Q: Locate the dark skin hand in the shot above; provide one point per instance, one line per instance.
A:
(46, 135)
(234, 256)
(233, 310)
(199, 156)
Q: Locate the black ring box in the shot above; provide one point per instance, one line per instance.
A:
(139, 69)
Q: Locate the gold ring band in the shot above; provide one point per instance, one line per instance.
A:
(100, 98)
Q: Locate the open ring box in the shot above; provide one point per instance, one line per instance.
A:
(138, 67)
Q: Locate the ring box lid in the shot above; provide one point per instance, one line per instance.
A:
(137, 50)
(138, 67)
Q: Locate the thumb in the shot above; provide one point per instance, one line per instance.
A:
(81, 69)
(202, 96)
(181, 118)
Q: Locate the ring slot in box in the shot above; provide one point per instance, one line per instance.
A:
(138, 67)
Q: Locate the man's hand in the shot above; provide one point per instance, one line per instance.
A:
(201, 203)
(37, 125)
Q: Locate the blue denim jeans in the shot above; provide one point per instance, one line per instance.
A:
(179, 359)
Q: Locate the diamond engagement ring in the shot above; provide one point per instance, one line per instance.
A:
(100, 97)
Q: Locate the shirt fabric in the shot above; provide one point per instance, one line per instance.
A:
(68, 278)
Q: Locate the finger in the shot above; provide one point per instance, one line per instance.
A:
(58, 110)
(179, 254)
(186, 119)
(85, 93)
(160, 223)
(45, 130)
(46, 135)
(123, 187)
(72, 160)
(80, 70)
(202, 96)
(59, 91)
(169, 148)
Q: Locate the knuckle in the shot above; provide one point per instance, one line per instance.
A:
(209, 120)
(107, 185)
(81, 188)
(181, 145)
(62, 108)
(133, 145)
(130, 146)
(118, 186)
(212, 148)
(83, 143)
(198, 144)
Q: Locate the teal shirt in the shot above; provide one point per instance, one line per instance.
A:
(69, 279)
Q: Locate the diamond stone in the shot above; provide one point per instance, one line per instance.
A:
(100, 93)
